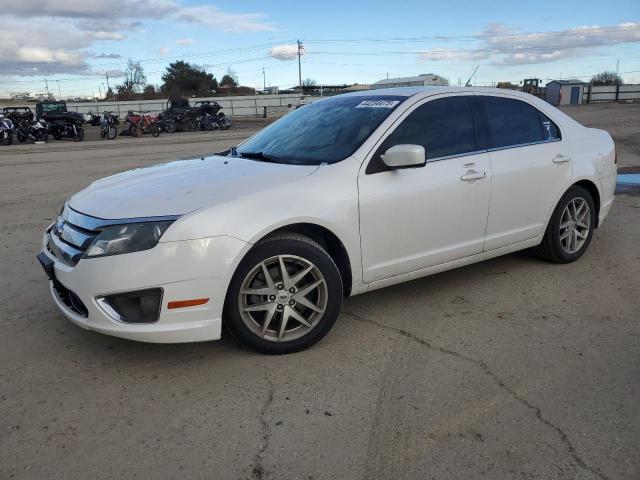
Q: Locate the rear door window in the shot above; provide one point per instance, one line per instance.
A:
(513, 122)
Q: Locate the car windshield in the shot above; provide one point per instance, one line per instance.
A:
(54, 107)
(326, 131)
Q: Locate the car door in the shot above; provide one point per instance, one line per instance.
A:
(414, 218)
(531, 165)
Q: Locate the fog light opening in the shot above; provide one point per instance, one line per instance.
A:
(141, 306)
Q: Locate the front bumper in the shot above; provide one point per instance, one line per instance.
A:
(200, 268)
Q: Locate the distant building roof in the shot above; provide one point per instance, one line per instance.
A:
(419, 78)
(571, 81)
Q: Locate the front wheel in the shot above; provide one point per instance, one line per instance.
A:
(7, 137)
(571, 227)
(112, 132)
(284, 296)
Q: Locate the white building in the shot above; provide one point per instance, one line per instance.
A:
(422, 80)
(564, 92)
(20, 96)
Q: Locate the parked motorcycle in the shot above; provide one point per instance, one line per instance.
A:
(93, 119)
(65, 128)
(107, 126)
(31, 130)
(6, 130)
(141, 123)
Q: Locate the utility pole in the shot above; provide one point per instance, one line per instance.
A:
(108, 87)
(46, 87)
(99, 91)
(59, 91)
(264, 81)
(300, 68)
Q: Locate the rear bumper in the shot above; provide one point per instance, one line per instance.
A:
(189, 269)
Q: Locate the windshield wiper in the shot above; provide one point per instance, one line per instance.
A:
(261, 156)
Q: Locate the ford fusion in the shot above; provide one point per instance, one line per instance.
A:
(339, 197)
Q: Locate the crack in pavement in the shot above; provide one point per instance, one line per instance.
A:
(485, 368)
(258, 470)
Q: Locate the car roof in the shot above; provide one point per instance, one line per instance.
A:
(435, 90)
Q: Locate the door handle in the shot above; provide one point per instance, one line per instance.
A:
(472, 175)
(561, 159)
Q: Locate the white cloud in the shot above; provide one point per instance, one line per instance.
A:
(175, 10)
(55, 36)
(163, 51)
(503, 45)
(453, 55)
(107, 55)
(48, 48)
(284, 52)
(102, 35)
(185, 41)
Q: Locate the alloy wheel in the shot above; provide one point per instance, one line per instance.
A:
(283, 298)
(575, 224)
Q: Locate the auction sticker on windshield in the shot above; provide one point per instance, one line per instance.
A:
(378, 104)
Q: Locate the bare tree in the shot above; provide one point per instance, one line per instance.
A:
(607, 78)
(134, 81)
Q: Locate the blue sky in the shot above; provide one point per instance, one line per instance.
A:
(73, 43)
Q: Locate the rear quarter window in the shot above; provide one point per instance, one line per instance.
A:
(513, 122)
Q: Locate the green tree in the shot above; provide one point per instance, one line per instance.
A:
(607, 78)
(228, 81)
(149, 92)
(186, 79)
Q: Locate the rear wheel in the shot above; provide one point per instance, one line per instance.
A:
(169, 127)
(285, 295)
(571, 227)
(79, 135)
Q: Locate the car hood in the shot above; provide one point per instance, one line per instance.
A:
(182, 186)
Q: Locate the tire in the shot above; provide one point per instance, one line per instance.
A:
(155, 130)
(112, 132)
(169, 127)
(560, 243)
(7, 137)
(319, 306)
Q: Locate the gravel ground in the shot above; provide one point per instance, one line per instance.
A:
(512, 368)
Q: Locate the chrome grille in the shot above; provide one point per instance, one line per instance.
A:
(72, 234)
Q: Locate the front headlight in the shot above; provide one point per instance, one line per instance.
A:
(127, 238)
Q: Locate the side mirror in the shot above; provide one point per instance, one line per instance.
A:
(405, 156)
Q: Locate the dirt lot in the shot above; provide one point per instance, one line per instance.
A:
(512, 368)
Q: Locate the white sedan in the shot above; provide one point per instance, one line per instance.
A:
(342, 196)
